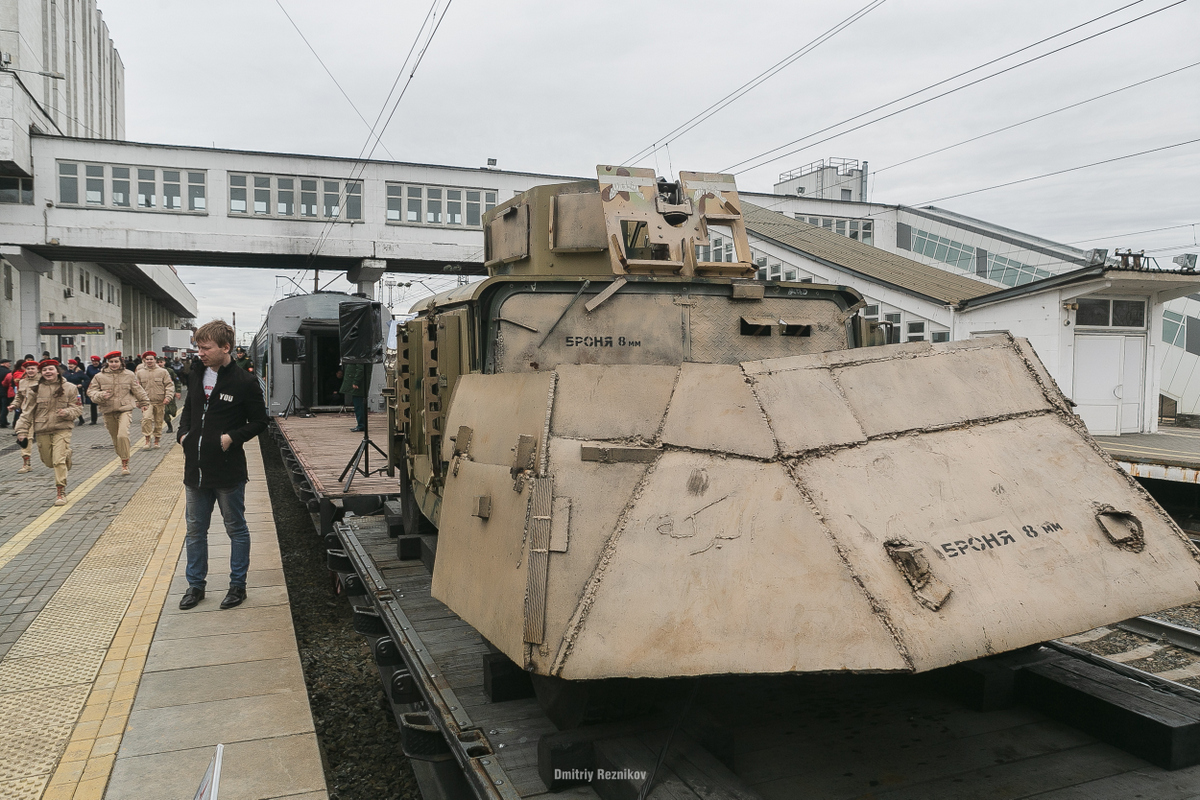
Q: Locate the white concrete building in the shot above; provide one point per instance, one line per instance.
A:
(826, 179)
(60, 76)
(1095, 327)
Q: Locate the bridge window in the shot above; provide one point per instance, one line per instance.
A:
(285, 202)
(68, 183)
(262, 195)
(433, 206)
(172, 197)
(120, 187)
(414, 204)
(438, 205)
(95, 184)
(111, 186)
(308, 198)
(196, 191)
(146, 188)
(395, 202)
(332, 199)
(16, 190)
(353, 201)
(237, 194)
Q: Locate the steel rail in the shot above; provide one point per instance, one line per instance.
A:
(482, 769)
(1178, 635)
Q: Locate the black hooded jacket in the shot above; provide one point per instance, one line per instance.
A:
(235, 407)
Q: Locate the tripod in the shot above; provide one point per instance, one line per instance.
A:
(361, 455)
(293, 406)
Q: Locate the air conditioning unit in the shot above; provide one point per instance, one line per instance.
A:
(68, 293)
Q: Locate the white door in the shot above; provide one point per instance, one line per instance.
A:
(1108, 382)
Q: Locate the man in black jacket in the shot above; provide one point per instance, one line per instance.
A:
(224, 410)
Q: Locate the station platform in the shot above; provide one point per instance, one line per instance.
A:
(1171, 454)
(107, 689)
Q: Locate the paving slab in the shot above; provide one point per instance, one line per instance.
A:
(218, 682)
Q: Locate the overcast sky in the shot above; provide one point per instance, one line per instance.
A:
(560, 87)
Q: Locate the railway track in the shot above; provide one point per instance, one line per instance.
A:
(1144, 648)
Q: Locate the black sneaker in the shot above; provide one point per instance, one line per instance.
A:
(191, 598)
(234, 598)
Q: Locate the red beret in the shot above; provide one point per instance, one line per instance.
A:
(29, 364)
(74, 361)
(113, 354)
(149, 353)
(95, 358)
(49, 362)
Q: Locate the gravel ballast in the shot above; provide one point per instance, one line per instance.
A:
(358, 736)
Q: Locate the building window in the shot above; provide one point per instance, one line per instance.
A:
(1172, 330)
(353, 201)
(871, 311)
(454, 207)
(68, 183)
(16, 190)
(1104, 313)
(939, 336)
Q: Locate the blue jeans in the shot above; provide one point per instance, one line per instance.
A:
(232, 501)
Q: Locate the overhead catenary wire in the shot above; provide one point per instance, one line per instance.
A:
(754, 82)
(1062, 171)
(1036, 118)
(360, 162)
(772, 151)
(321, 61)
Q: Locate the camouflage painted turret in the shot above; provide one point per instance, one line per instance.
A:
(643, 462)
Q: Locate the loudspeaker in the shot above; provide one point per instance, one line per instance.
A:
(292, 349)
(360, 332)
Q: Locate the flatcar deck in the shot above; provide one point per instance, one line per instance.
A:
(324, 444)
(886, 737)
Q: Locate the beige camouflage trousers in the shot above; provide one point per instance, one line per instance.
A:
(152, 420)
(118, 428)
(55, 449)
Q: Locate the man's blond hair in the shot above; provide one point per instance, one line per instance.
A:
(218, 332)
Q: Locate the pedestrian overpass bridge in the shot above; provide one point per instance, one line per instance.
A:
(109, 201)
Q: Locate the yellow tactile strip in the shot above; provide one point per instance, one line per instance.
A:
(67, 685)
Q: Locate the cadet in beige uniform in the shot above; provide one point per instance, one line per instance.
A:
(25, 384)
(161, 391)
(49, 409)
(117, 391)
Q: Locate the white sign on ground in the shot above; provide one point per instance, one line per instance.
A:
(211, 783)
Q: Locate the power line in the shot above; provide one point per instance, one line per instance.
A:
(1062, 171)
(361, 163)
(1034, 119)
(754, 82)
(950, 91)
(327, 72)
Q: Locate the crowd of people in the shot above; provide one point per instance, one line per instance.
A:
(48, 398)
